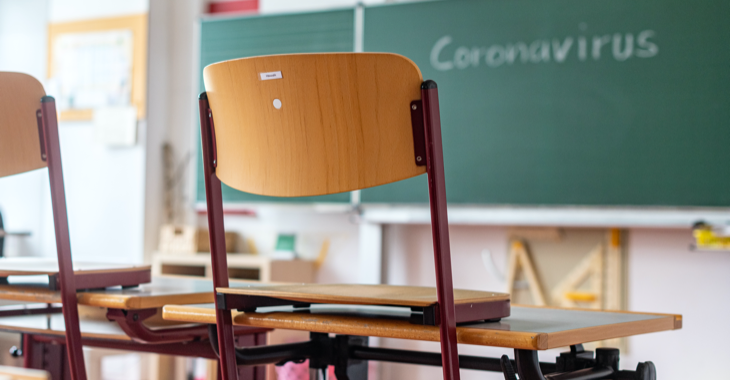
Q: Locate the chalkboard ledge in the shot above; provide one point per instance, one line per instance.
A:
(251, 209)
(566, 216)
(504, 215)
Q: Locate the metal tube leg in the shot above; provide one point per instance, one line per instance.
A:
(251, 372)
(63, 245)
(30, 352)
(214, 198)
(528, 367)
(440, 229)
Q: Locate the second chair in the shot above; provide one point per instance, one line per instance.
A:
(316, 124)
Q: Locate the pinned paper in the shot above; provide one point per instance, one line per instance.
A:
(116, 126)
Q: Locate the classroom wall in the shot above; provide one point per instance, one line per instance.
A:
(172, 115)
(664, 276)
(104, 186)
(70, 10)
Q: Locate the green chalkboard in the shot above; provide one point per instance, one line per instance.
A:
(230, 38)
(571, 102)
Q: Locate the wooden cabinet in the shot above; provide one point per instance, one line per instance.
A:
(242, 266)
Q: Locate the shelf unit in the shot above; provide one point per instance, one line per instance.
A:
(243, 266)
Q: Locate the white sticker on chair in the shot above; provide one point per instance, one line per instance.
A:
(271, 75)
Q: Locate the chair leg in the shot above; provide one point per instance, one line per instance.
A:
(440, 229)
(226, 347)
(63, 245)
(214, 199)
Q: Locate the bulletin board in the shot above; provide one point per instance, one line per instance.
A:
(98, 63)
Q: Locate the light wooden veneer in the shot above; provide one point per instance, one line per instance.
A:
(344, 122)
(163, 290)
(531, 328)
(17, 373)
(20, 146)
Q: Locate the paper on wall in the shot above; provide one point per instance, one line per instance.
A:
(115, 126)
(92, 70)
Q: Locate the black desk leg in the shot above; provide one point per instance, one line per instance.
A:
(336, 352)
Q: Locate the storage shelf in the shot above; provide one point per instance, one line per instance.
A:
(240, 266)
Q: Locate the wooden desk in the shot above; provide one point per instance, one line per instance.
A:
(87, 275)
(43, 343)
(528, 328)
(134, 326)
(15, 373)
(53, 325)
(161, 291)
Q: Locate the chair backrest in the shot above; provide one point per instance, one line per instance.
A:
(313, 124)
(20, 147)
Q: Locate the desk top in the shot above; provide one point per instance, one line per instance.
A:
(163, 290)
(531, 328)
(32, 266)
(52, 324)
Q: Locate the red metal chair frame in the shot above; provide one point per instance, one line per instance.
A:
(429, 106)
(66, 280)
(48, 128)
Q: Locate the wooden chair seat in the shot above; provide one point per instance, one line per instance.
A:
(471, 305)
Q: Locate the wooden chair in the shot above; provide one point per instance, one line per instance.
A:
(315, 124)
(28, 141)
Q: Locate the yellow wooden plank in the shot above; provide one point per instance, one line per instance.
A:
(534, 328)
(20, 147)
(344, 122)
(17, 373)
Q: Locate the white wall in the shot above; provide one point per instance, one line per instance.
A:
(173, 108)
(665, 276)
(104, 186)
(72, 10)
